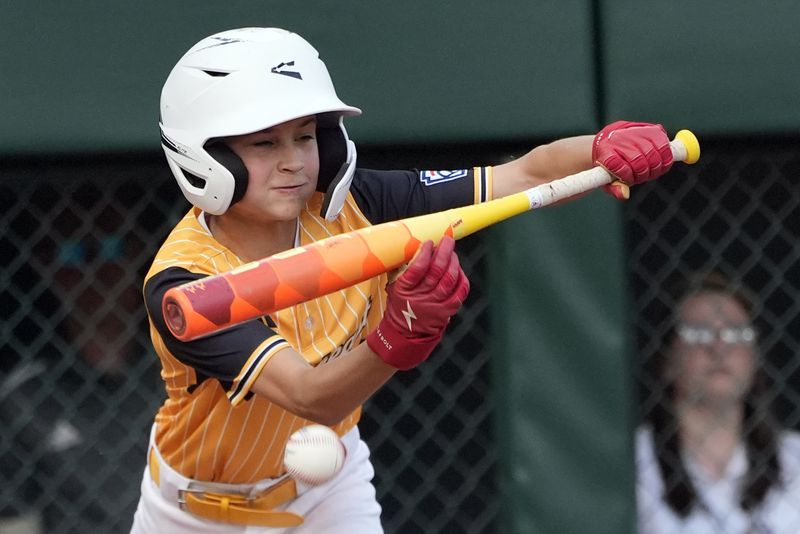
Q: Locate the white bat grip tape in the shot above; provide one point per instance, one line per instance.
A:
(549, 193)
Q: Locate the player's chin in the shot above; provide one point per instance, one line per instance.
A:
(286, 209)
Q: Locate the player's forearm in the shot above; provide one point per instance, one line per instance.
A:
(564, 157)
(327, 393)
(543, 164)
(339, 387)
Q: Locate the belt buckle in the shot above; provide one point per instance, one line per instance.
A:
(198, 489)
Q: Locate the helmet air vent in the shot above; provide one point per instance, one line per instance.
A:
(195, 180)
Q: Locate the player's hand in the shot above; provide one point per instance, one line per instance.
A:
(634, 152)
(419, 306)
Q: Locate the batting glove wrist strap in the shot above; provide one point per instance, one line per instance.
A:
(400, 351)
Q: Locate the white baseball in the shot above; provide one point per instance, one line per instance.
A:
(314, 454)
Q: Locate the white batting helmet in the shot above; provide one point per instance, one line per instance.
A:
(243, 81)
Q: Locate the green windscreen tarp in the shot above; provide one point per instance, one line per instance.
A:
(563, 378)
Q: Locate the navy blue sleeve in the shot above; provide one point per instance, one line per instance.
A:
(221, 355)
(386, 196)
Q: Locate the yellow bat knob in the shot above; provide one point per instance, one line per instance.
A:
(692, 145)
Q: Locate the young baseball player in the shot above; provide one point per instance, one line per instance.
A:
(253, 132)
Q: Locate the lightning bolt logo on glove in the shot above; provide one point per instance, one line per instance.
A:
(408, 313)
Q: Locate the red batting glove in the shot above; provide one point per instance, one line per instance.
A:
(634, 152)
(419, 306)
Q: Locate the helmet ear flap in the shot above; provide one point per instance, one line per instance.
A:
(337, 165)
(332, 147)
(221, 152)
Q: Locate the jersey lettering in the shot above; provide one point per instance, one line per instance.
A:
(351, 341)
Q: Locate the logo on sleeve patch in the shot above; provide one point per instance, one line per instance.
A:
(437, 177)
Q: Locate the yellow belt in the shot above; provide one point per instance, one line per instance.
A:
(236, 509)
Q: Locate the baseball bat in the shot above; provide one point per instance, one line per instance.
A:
(258, 288)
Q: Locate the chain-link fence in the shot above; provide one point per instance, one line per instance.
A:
(79, 381)
(737, 212)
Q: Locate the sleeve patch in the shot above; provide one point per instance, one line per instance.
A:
(437, 177)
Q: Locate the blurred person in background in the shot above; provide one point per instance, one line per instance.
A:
(710, 457)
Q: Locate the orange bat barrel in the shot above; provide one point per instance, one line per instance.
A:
(207, 305)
